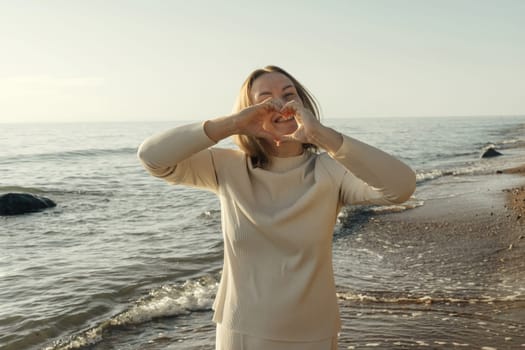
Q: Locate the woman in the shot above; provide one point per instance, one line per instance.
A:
(280, 199)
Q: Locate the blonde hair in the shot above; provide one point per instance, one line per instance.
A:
(251, 145)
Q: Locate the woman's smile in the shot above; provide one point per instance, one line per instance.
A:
(285, 125)
(282, 119)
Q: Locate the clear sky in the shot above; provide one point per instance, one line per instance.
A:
(127, 60)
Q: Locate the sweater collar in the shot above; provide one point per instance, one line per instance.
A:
(283, 164)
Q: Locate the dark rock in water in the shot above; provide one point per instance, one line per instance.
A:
(490, 152)
(21, 203)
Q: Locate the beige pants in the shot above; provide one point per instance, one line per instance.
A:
(227, 339)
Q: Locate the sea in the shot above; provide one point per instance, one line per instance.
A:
(127, 261)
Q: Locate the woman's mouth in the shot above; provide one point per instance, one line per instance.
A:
(283, 119)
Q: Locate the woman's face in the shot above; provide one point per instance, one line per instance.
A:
(280, 88)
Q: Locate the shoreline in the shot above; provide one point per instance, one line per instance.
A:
(516, 170)
(459, 272)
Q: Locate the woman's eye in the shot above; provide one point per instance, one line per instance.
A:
(289, 95)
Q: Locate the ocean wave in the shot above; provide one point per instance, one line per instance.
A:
(460, 154)
(512, 143)
(53, 191)
(34, 190)
(475, 166)
(390, 298)
(472, 169)
(351, 218)
(65, 155)
(467, 162)
(432, 174)
(504, 144)
(422, 176)
(396, 208)
(166, 301)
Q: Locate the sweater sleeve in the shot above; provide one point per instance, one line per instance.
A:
(373, 176)
(181, 156)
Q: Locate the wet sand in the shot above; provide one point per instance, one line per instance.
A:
(516, 170)
(516, 201)
(460, 280)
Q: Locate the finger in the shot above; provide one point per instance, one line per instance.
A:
(267, 105)
(270, 101)
(290, 103)
(289, 109)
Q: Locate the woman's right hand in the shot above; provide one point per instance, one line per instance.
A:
(256, 120)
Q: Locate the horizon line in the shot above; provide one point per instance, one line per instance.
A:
(330, 118)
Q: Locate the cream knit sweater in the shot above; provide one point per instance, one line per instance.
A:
(277, 224)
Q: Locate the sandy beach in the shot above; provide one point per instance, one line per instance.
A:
(515, 170)
(516, 196)
(473, 297)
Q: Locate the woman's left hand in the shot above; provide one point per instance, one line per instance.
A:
(307, 123)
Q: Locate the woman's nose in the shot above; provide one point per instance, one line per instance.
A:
(279, 102)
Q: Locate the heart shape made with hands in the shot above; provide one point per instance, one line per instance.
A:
(282, 124)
